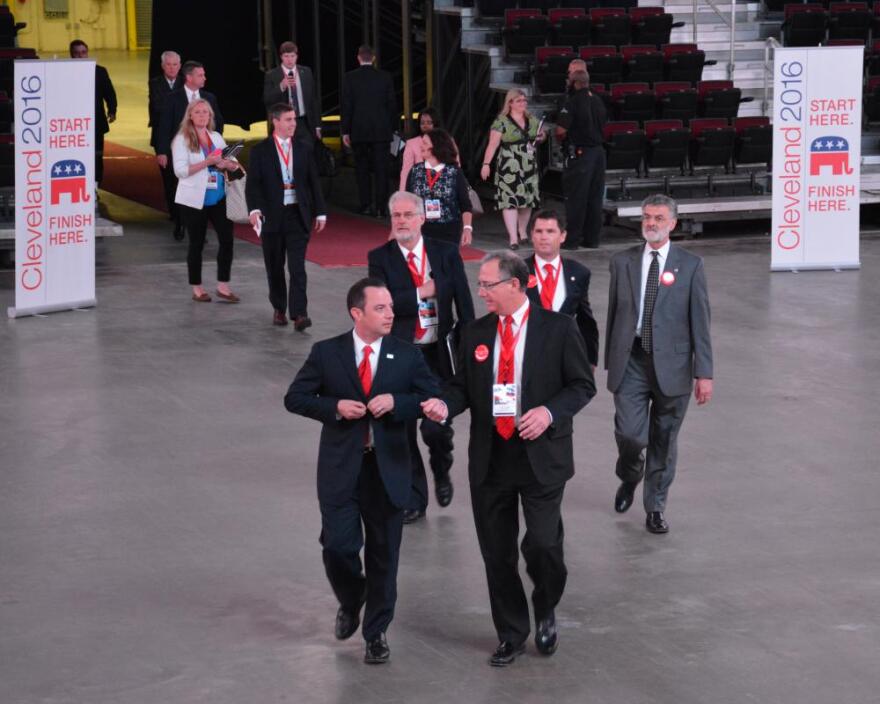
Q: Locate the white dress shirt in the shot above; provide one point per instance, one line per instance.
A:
(286, 169)
(559, 295)
(191, 94)
(359, 345)
(519, 326)
(418, 253)
(663, 252)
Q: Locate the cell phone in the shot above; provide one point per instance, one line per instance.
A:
(230, 151)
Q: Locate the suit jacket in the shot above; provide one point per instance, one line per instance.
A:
(576, 302)
(369, 106)
(272, 94)
(173, 111)
(682, 346)
(447, 271)
(264, 189)
(556, 373)
(329, 375)
(104, 95)
(159, 90)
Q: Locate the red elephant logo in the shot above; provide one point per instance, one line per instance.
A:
(830, 151)
(69, 176)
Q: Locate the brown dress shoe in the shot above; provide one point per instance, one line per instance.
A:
(202, 298)
(301, 322)
(279, 318)
(228, 297)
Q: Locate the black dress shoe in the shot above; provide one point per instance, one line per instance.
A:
(443, 490)
(301, 322)
(411, 515)
(623, 499)
(278, 318)
(377, 651)
(655, 523)
(347, 622)
(506, 653)
(546, 639)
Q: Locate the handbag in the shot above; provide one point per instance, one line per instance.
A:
(236, 203)
(476, 205)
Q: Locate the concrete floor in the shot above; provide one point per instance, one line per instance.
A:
(159, 524)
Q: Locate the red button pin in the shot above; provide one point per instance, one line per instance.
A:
(481, 353)
(533, 282)
(667, 278)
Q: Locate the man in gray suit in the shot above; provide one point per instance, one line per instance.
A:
(293, 85)
(657, 343)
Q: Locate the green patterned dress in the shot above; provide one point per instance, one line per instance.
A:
(516, 170)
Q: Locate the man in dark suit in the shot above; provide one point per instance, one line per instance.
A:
(561, 284)
(293, 84)
(523, 374)
(284, 197)
(159, 88)
(176, 103)
(425, 277)
(657, 343)
(369, 118)
(105, 105)
(365, 387)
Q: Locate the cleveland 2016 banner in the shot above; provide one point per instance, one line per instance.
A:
(54, 186)
(817, 130)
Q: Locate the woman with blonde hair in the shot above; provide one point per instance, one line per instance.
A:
(514, 135)
(202, 171)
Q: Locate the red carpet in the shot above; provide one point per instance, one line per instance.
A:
(345, 241)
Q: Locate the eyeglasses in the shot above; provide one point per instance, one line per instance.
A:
(486, 285)
(408, 215)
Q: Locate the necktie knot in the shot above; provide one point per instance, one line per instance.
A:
(411, 258)
(549, 270)
(367, 352)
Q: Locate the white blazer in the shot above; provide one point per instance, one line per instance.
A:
(191, 189)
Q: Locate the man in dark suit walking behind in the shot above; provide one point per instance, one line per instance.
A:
(369, 118)
(561, 284)
(105, 105)
(365, 387)
(524, 374)
(426, 278)
(293, 84)
(284, 199)
(657, 343)
(176, 103)
(160, 87)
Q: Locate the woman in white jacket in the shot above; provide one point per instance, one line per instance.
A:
(201, 194)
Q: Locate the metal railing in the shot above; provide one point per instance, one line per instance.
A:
(770, 45)
(731, 23)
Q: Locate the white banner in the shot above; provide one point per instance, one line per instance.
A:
(54, 186)
(817, 151)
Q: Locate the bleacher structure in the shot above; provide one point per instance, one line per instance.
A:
(688, 87)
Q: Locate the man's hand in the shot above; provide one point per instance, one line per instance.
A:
(434, 409)
(380, 405)
(351, 410)
(320, 225)
(703, 391)
(428, 289)
(111, 118)
(254, 217)
(162, 160)
(346, 140)
(533, 423)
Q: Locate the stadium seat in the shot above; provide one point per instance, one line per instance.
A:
(754, 141)
(551, 68)
(651, 25)
(871, 100)
(718, 99)
(493, 8)
(805, 24)
(676, 100)
(849, 20)
(569, 26)
(609, 25)
(684, 62)
(642, 64)
(624, 151)
(524, 30)
(872, 56)
(632, 101)
(712, 142)
(604, 64)
(668, 144)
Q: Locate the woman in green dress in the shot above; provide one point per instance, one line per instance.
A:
(514, 135)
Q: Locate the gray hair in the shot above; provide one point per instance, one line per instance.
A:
(168, 55)
(580, 77)
(659, 199)
(406, 195)
(510, 266)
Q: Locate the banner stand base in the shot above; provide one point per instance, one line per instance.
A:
(13, 312)
(815, 267)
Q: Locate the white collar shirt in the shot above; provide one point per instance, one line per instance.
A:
(559, 295)
(191, 94)
(520, 325)
(662, 254)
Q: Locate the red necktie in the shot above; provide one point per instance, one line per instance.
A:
(505, 424)
(419, 281)
(365, 372)
(548, 287)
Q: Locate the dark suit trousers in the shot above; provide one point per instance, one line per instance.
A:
(583, 183)
(371, 156)
(99, 157)
(196, 222)
(645, 418)
(169, 186)
(438, 437)
(496, 514)
(291, 243)
(342, 537)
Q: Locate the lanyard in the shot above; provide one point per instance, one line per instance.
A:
(545, 278)
(515, 337)
(285, 157)
(422, 266)
(431, 181)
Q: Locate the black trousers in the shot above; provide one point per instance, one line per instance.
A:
(496, 515)
(583, 183)
(196, 222)
(438, 437)
(99, 157)
(290, 243)
(371, 156)
(445, 231)
(368, 513)
(645, 418)
(169, 187)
